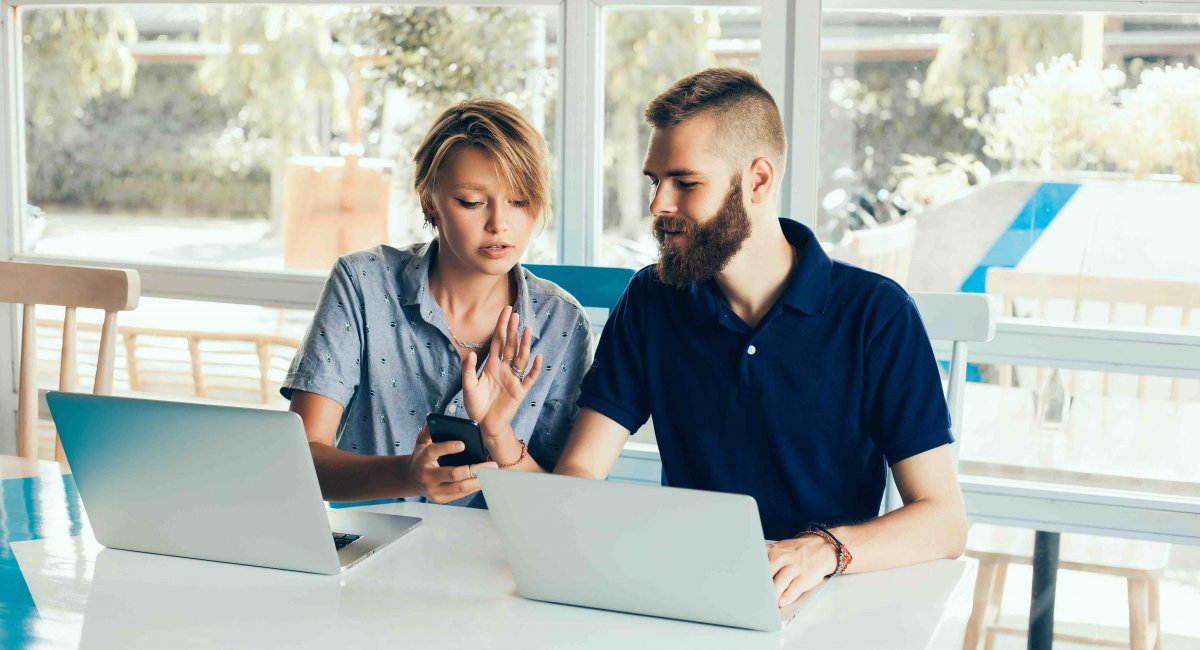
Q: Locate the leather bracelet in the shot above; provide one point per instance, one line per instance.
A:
(524, 452)
(844, 558)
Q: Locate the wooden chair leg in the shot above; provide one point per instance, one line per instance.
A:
(1155, 622)
(1139, 613)
(992, 614)
(984, 578)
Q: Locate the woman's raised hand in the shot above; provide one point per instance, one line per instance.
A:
(493, 396)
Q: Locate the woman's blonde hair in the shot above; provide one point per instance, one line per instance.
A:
(502, 131)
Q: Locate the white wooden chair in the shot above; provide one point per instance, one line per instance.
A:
(1095, 299)
(958, 319)
(71, 287)
(886, 250)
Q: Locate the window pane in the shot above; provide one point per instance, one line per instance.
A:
(1065, 148)
(222, 135)
(177, 342)
(179, 349)
(1083, 428)
(646, 50)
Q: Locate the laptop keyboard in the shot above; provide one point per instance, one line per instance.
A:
(340, 540)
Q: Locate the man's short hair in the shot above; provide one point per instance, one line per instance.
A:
(747, 120)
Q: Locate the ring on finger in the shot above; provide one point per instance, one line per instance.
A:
(472, 471)
(517, 371)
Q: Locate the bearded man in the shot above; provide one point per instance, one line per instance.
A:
(769, 369)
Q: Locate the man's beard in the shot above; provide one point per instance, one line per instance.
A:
(709, 246)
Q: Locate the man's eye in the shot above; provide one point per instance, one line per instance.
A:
(686, 185)
(470, 205)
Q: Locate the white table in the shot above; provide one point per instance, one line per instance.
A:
(446, 585)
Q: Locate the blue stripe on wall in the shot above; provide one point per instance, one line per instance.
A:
(1040, 209)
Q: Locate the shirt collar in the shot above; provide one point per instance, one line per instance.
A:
(414, 280)
(807, 289)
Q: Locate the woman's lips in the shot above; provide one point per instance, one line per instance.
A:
(495, 252)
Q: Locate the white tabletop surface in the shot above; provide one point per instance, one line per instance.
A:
(445, 585)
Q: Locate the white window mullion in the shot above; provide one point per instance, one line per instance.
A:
(804, 101)
(12, 203)
(775, 66)
(581, 136)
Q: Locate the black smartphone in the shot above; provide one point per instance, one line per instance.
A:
(444, 428)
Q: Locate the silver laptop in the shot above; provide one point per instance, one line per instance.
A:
(682, 554)
(209, 482)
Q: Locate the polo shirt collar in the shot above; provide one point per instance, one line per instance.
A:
(807, 290)
(414, 279)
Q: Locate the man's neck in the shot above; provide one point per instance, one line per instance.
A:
(755, 278)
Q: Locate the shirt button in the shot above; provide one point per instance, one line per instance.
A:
(452, 409)
(751, 350)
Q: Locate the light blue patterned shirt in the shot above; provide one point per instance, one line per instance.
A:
(380, 346)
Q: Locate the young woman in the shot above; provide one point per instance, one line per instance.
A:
(437, 328)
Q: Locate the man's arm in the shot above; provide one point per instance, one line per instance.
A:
(594, 446)
(931, 525)
(347, 476)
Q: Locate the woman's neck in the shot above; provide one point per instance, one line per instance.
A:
(462, 293)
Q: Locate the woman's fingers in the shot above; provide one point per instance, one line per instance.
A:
(521, 361)
(512, 338)
(469, 379)
(497, 347)
(534, 373)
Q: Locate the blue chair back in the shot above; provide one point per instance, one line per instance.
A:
(592, 286)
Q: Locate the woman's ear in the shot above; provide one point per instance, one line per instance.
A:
(430, 213)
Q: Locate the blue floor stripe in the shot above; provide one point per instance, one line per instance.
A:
(23, 504)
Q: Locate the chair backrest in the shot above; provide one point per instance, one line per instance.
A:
(71, 287)
(886, 250)
(592, 286)
(959, 318)
(1095, 299)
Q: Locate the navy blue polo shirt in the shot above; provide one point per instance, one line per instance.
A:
(801, 412)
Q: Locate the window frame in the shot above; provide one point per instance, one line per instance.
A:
(790, 64)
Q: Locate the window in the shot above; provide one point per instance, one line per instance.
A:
(263, 137)
(645, 51)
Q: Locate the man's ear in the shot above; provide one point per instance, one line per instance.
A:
(762, 180)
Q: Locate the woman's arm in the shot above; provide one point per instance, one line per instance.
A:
(347, 476)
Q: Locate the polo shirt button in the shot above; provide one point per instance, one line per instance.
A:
(751, 350)
(452, 409)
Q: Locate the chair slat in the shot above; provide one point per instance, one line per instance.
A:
(27, 402)
(68, 369)
(108, 353)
